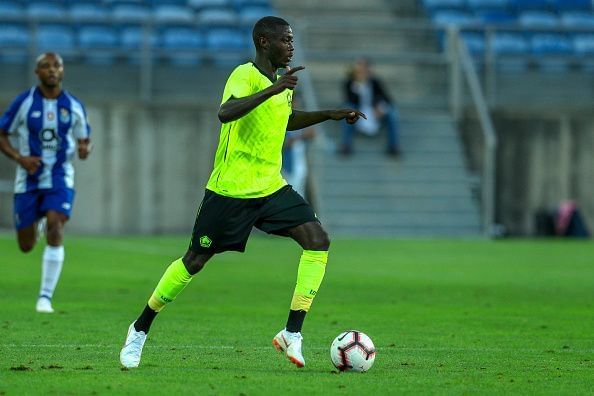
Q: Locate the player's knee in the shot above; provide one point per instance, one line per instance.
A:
(26, 246)
(320, 241)
(194, 262)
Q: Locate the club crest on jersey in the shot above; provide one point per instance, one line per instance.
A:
(290, 99)
(64, 115)
(49, 139)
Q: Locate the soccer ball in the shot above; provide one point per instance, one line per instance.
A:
(352, 351)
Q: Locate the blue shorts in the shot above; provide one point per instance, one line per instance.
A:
(31, 206)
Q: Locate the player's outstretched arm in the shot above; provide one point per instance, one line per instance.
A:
(236, 108)
(303, 119)
(30, 164)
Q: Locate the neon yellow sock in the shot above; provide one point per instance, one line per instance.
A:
(173, 281)
(312, 267)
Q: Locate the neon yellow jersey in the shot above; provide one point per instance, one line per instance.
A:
(249, 156)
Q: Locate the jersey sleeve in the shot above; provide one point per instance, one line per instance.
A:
(238, 85)
(12, 118)
(80, 126)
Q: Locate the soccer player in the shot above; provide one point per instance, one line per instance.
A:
(49, 125)
(246, 188)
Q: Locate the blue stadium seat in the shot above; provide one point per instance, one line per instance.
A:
(435, 5)
(99, 43)
(203, 4)
(496, 17)
(577, 19)
(478, 5)
(11, 9)
(509, 44)
(226, 38)
(59, 38)
(46, 10)
(88, 12)
(553, 49)
(571, 5)
(218, 17)
(130, 13)
(536, 19)
(239, 4)
(171, 14)
(14, 39)
(132, 41)
(583, 44)
(475, 42)
(250, 14)
(523, 5)
(449, 17)
(182, 45)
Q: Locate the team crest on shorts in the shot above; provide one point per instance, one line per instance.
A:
(205, 241)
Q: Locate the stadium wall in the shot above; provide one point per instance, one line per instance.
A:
(146, 173)
(542, 159)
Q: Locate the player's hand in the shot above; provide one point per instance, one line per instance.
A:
(351, 115)
(287, 80)
(84, 148)
(30, 164)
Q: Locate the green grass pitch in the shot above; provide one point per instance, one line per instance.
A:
(447, 317)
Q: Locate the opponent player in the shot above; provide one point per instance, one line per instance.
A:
(49, 125)
(246, 188)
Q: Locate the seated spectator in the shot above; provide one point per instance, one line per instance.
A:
(365, 92)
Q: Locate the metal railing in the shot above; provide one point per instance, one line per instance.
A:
(463, 72)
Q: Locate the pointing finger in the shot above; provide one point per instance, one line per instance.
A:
(291, 70)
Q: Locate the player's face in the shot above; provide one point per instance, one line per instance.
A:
(50, 70)
(281, 47)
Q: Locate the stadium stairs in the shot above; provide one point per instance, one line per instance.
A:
(426, 192)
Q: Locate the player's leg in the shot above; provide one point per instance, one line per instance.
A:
(289, 215)
(56, 205)
(52, 261)
(212, 234)
(391, 119)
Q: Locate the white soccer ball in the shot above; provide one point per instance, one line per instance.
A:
(352, 351)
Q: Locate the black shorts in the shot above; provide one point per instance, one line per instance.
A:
(225, 223)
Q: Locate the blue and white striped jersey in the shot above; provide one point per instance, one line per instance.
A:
(46, 128)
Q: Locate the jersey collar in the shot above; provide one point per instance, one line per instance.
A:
(264, 73)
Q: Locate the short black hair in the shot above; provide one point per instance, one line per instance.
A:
(266, 27)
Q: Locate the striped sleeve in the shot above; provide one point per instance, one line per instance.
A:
(11, 119)
(80, 124)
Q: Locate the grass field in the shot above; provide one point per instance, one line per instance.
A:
(447, 317)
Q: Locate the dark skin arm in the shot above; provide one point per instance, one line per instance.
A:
(303, 119)
(235, 108)
(29, 163)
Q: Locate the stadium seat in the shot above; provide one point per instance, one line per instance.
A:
(536, 19)
(577, 19)
(226, 38)
(571, 5)
(240, 4)
(449, 17)
(11, 9)
(171, 14)
(182, 45)
(583, 44)
(524, 5)
(203, 4)
(46, 10)
(59, 38)
(132, 41)
(88, 12)
(509, 44)
(478, 5)
(14, 39)
(130, 13)
(495, 17)
(552, 49)
(250, 14)
(99, 43)
(218, 17)
(475, 42)
(436, 5)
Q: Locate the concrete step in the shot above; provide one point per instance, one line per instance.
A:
(377, 204)
(404, 232)
(448, 189)
(408, 219)
(381, 174)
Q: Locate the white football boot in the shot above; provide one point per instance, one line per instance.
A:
(132, 349)
(44, 305)
(290, 344)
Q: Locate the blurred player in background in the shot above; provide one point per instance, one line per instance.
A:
(246, 188)
(49, 125)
